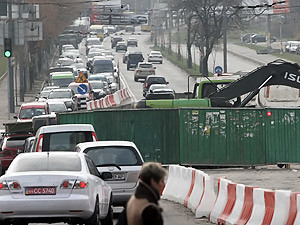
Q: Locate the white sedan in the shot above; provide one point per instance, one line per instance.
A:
(50, 187)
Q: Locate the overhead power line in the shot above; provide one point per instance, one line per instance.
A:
(258, 6)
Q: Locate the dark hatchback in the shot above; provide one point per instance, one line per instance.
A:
(115, 40)
(153, 79)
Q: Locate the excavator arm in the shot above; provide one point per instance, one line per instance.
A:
(278, 72)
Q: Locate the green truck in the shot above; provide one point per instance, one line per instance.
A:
(239, 90)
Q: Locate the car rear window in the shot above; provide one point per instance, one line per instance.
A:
(145, 65)
(28, 113)
(135, 56)
(15, 142)
(119, 155)
(158, 80)
(65, 141)
(45, 163)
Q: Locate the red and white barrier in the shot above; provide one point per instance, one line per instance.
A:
(177, 189)
(188, 181)
(231, 199)
(294, 213)
(198, 191)
(238, 206)
(109, 101)
(171, 182)
(208, 199)
(221, 200)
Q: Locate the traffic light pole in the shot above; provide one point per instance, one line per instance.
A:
(10, 72)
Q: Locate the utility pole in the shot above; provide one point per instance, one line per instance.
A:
(268, 30)
(224, 36)
(10, 72)
(178, 38)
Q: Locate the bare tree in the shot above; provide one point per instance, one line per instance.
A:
(208, 16)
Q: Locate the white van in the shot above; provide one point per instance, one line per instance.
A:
(62, 137)
(291, 46)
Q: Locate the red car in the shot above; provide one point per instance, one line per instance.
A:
(9, 148)
(31, 109)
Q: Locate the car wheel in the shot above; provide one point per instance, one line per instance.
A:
(160, 62)
(127, 68)
(136, 79)
(95, 218)
(109, 218)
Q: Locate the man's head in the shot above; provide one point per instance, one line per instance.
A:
(154, 175)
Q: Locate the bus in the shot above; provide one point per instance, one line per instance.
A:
(99, 29)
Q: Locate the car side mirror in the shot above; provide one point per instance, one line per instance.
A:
(167, 82)
(154, 67)
(106, 176)
(15, 117)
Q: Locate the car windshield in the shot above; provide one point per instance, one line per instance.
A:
(103, 68)
(120, 155)
(65, 141)
(44, 94)
(66, 63)
(97, 85)
(93, 54)
(145, 65)
(93, 42)
(63, 82)
(60, 94)
(28, 113)
(47, 163)
(57, 107)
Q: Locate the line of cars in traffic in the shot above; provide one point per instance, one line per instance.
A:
(144, 70)
(62, 173)
(67, 175)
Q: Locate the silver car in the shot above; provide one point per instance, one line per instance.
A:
(122, 159)
(47, 187)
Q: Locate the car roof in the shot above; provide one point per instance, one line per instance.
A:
(65, 128)
(33, 104)
(106, 143)
(61, 89)
(157, 52)
(121, 43)
(135, 52)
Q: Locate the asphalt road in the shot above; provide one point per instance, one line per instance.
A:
(266, 177)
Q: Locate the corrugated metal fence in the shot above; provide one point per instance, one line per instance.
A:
(206, 136)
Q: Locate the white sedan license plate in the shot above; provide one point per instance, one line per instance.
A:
(40, 191)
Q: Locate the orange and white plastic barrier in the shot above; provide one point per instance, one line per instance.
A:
(109, 101)
(171, 182)
(197, 192)
(221, 200)
(208, 199)
(235, 204)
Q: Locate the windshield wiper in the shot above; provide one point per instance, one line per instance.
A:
(109, 164)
